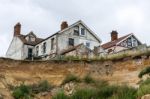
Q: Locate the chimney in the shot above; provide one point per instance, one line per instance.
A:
(64, 25)
(17, 29)
(114, 35)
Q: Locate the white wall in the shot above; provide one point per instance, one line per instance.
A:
(15, 49)
(88, 37)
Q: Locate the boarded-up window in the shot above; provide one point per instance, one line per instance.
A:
(52, 43)
(71, 42)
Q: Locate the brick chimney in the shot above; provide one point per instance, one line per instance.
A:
(114, 35)
(17, 29)
(64, 25)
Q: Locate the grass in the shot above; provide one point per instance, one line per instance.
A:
(88, 79)
(144, 88)
(60, 95)
(144, 72)
(71, 78)
(26, 92)
(42, 86)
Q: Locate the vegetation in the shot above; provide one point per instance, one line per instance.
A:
(144, 88)
(144, 72)
(26, 92)
(88, 79)
(22, 92)
(43, 86)
(71, 78)
(60, 95)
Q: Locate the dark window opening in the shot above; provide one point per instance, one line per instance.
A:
(52, 43)
(71, 42)
(37, 50)
(44, 47)
(82, 31)
(88, 44)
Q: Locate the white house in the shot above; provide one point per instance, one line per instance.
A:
(29, 46)
(118, 44)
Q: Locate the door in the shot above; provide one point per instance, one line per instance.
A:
(30, 53)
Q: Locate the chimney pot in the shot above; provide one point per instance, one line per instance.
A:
(114, 35)
(64, 25)
(17, 29)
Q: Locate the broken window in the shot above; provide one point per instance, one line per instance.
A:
(52, 43)
(76, 30)
(71, 42)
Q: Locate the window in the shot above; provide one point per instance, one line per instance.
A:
(88, 44)
(129, 42)
(82, 31)
(76, 31)
(52, 43)
(44, 47)
(71, 42)
(37, 50)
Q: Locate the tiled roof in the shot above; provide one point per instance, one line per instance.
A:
(113, 43)
(33, 43)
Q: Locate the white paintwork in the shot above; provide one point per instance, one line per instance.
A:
(15, 49)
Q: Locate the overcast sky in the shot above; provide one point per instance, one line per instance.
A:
(44, 17)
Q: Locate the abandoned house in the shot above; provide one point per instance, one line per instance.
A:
(119, 44)
(76, 40)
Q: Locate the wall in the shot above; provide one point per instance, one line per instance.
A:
(15, 49)
(63, 39)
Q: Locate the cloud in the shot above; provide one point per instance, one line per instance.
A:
(102, 16)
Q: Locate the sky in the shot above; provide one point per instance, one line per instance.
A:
(44, 17)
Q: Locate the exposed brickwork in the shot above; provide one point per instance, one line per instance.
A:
(114, 35)
(64, 25)
(17, 29)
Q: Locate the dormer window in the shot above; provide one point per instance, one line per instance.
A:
(82, 31)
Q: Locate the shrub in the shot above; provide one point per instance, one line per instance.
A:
(22, 91)
(88, 79)
(144, 71)
(71, 78)
(41, 87)
(84, 94)
(60, 95)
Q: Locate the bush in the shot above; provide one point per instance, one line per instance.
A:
(71, 78)
(144, 72)
(60, 95)
(88, 79)
(22, 91)
(41, 87)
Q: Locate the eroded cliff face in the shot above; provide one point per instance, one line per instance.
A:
(29, 72)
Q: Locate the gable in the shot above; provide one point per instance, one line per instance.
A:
(71, 28)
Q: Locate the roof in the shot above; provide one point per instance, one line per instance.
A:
(114, 43)
(32, 43)
(71, 49)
